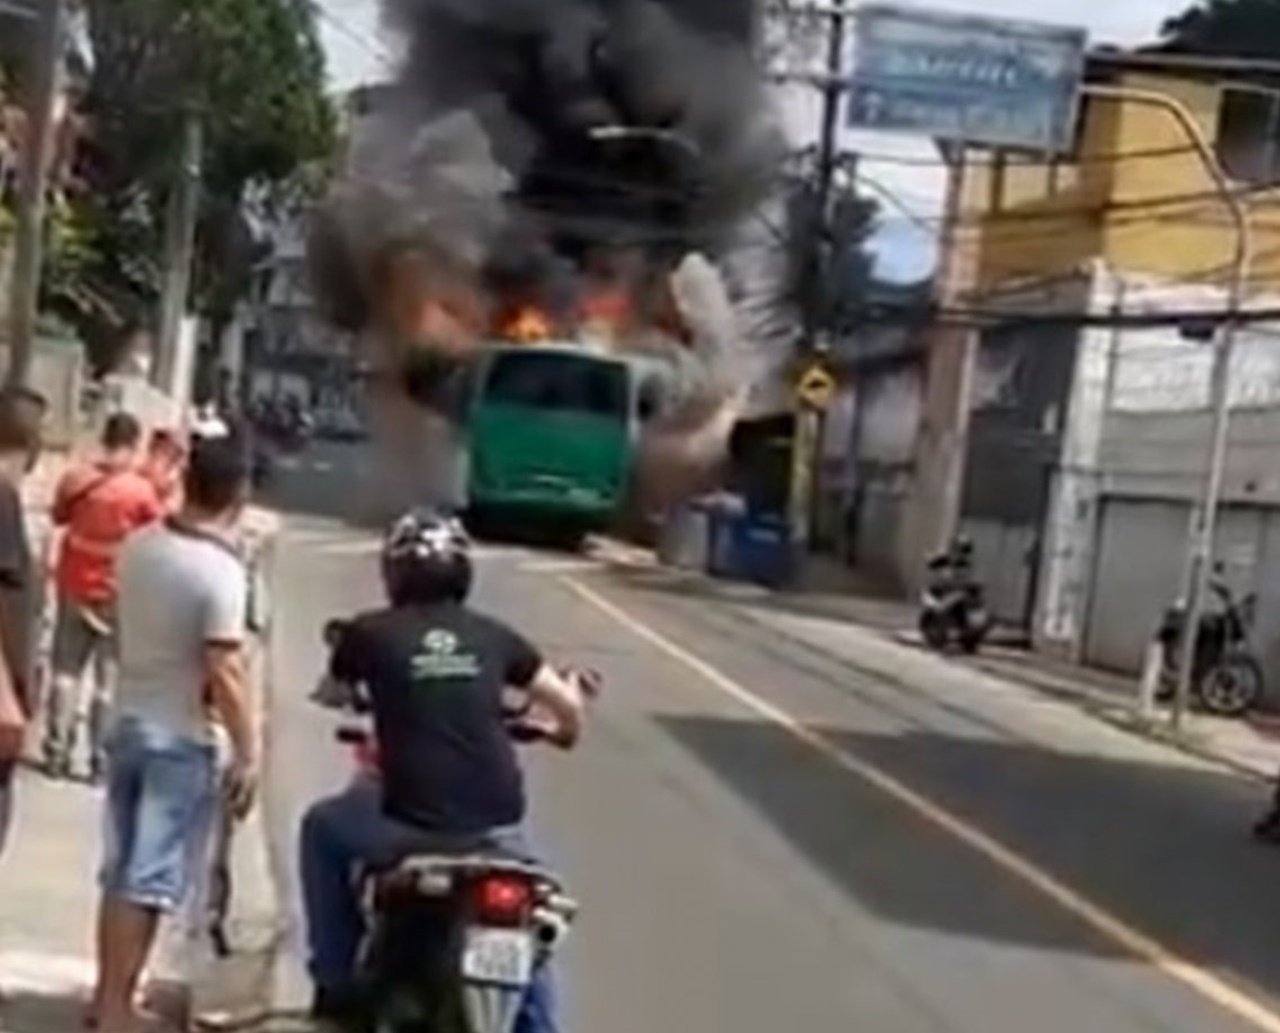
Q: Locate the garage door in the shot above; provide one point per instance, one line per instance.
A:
(1141, 551)
(1139, 570)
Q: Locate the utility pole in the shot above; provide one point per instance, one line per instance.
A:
(179, 250)
(808, 418)
(41, 110)
(942, 443)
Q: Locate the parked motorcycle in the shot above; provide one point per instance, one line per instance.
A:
(953, 609)
(453, 941)
(1226, 676)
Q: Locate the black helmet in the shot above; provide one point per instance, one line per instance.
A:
(426, 558)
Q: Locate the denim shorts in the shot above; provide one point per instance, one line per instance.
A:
(161, 797)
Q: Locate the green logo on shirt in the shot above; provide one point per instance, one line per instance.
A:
(438, 658)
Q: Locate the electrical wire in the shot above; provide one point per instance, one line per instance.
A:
(370, 46)
(1029, 161)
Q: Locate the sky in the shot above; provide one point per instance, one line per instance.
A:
(910, 194)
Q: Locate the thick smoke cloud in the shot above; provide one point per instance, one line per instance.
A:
(521, 139)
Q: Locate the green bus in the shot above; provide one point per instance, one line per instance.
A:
(552, 437)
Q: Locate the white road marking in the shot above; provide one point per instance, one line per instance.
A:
(1205, 983)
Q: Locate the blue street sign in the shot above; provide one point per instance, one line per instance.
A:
(984, 81)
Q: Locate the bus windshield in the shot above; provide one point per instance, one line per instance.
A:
(555, 381)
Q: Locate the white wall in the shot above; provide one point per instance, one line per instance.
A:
(1138, 427)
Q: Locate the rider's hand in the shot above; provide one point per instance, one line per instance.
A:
(242, 787)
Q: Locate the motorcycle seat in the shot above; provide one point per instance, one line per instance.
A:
(435, 873)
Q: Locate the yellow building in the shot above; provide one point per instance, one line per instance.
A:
(1089, 436)
(1135, 194)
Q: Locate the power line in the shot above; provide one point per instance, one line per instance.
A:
(1028, 161)
(369, 46)
(923, 222)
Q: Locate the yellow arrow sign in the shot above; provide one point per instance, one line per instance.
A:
(816, 387)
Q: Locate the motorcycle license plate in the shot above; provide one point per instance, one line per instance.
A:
(500, 956)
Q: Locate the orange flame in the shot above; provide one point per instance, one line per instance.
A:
(606, 315)
(526, 325)
(608, 308)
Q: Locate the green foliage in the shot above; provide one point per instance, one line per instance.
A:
(1241, 28)
(253, 71)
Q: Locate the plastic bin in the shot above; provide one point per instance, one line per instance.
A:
(684, 538)
(753, 547)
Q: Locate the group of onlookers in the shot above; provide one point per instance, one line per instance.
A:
(153, 599)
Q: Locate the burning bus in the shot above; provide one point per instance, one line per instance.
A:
(523, 241)
(552, 434)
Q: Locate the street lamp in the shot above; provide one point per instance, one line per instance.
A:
(1200, 552)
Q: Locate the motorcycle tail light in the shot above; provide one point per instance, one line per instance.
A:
(502, 899)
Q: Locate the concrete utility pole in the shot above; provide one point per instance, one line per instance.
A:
(41, 111)
(942, 443)
(808, 418)
(180, 237)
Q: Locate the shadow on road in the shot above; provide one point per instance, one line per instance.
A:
(41, 1013)
(1164, 849)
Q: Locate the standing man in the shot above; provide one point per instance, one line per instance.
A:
(162, 466)
(20, 421)
(98, 505)
(181, 623)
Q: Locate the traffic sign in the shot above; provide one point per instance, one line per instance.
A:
(816, 387)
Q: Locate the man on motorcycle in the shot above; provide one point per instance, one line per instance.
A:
(435, 673)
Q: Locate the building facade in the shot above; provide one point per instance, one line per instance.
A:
(1098, 282)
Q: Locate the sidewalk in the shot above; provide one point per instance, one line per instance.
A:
(835, 614)
(48, 893)
(47, 907)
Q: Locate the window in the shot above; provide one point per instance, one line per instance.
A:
(1249, 135)
(568, 383)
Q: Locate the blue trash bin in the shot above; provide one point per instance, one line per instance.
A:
(753, 547)
(764, 549)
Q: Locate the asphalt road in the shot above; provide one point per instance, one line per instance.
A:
(764, 839)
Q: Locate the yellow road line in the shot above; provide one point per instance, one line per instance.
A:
(1205, 983)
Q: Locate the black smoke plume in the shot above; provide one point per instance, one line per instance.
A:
(523, 134)
(529, 146)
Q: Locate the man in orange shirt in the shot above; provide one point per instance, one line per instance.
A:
(162, 466)
(99, 505)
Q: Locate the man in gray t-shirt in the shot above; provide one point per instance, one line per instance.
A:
(180, 621)
(178, 592)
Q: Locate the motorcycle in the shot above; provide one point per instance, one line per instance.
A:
(953, 609)
(1226, 677)
(453, 940)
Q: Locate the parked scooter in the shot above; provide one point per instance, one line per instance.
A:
(453, 939)
(953, 608)
(1226, 676)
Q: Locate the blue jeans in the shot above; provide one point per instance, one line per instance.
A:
(348, 830)
(161, 794)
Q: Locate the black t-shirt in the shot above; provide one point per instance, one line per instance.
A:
(436, 676)
(18, 590)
